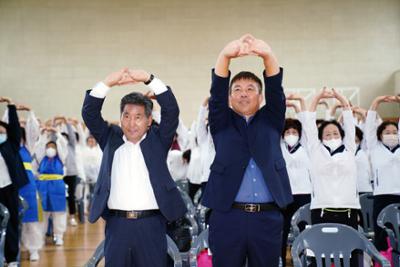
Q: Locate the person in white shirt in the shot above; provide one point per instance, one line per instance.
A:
(383, 145)
(333, 168)
(91, 158)
(364, 174)
(134, 193)
(297, 165)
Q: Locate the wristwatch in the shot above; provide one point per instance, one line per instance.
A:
(149, 80)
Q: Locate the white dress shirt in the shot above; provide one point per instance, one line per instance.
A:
(131, 188)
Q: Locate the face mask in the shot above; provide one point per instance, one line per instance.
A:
(390, 140)
(3, 138)
(333, 144)
(291, 139)
(51, 152)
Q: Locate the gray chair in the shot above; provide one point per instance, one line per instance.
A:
(367, 208)
(4, 217)
(198, 245)
(191, 214)
(202, 212)
(197, 197)
(332, 242)
(389, 220)
(302, 215)
(173, 252)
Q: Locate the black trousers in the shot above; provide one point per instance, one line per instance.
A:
(380, 202)
(298, 201)
(341, 218)
(71, 182)
(9, 198)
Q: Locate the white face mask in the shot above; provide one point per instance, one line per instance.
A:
(291, 139)
(390, 140)
(3, 138)
(333, 144)
(51, 152)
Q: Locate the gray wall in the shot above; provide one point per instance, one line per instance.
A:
(51, 51)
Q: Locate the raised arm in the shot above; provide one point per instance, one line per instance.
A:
(219, 100)
(371, 124)
(14, 128)
(167, 101)
(201, 127)
(348, 122)
(93, 103)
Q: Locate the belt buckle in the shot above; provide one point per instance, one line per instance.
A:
(131, 215)
(251, 207)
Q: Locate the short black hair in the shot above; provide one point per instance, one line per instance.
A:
(359, 134)
(246, 75)
(292, 124)
(326, 123)
(383, 126)
(51, 142)
(136, 98)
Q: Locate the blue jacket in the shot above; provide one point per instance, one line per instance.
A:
(236, 142)
(154, 148)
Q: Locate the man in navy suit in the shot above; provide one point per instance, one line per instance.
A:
(248, 184)
(135, 193)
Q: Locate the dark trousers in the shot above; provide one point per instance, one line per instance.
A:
(380, 202)
(9, 198)
(136, 242)
(298, 201)
(236, 235)
(341, 218)
(71, 182)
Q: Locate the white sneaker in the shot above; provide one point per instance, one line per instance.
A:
(59, 241)
(34, 256)
(73, 222)
(13, 264)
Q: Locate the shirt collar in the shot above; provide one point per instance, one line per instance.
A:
(129, 142)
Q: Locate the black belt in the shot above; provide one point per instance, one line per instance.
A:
(134, 214)
(255, 207)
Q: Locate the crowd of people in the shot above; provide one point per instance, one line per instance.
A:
(254, 165)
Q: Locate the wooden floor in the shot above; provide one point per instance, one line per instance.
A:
(79, 244)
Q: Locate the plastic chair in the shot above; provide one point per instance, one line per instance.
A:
(183, 184)
(173, 252)
(197, 197)
(199, 244)
(367, 208)
(389, 220)
(302, 215)
(202, 212)
(332, 242)
(4, 217)
(191, 214)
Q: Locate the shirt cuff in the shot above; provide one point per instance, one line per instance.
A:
(100, 90)
(157, 86)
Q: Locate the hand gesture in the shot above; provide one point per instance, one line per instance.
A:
(23, 108)
(138, 76)
(120, 77)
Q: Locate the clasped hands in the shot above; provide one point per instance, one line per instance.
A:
(246, 45)
(126, 76)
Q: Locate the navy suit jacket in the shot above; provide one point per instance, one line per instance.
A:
(10, 150)
(236, 142)
(154, 148)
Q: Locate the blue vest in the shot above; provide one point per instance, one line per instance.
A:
(29, 191)
(51, 184)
